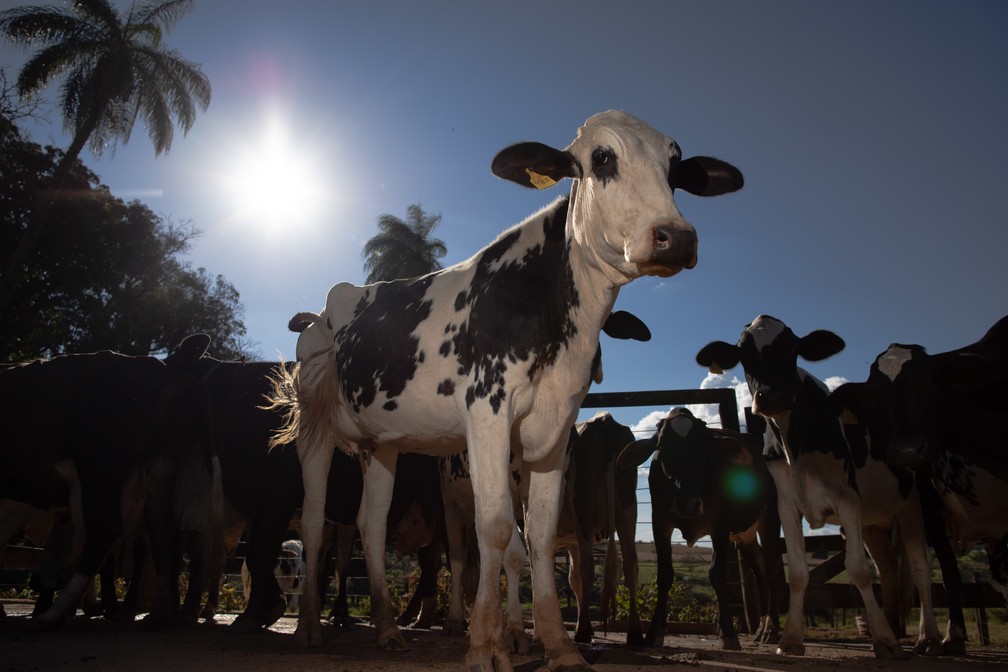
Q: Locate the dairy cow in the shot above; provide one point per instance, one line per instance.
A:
(709, 481)
(494, 353)
(121, 441)
(830, 473)
(943, 414)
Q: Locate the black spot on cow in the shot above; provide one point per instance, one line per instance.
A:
(446, 388)
(460, 302)
(445, 349)
(368, 364)
(390, 405)
(604, 164)
(520, 311)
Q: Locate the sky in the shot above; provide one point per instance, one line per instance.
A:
(871, 135)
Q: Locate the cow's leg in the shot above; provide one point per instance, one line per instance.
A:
(719, 581)
(662, 532)
(488, 468)
(792, 641)
(315, 461)
(543, 510)
(626, 527)
(345, 535)
(515, 637)
(878, 541)
(912, 532)
(884, 642)
(586, 577)
(455, 530)
(420, 607)
(751, 554)
(372, 520)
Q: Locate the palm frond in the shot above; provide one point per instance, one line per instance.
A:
(38, 25)
(164, 14)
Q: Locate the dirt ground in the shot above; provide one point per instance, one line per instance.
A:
(96, 644)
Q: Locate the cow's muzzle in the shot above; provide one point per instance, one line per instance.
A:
(674, 249)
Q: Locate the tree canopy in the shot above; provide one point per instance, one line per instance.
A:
(403, 248)
(105, 274)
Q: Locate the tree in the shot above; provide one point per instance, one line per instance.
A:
(105, 274)
(116, 70)
(403, 249)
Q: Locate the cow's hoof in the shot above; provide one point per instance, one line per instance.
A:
(245, 623)
(954, 647)
(454, 629)
(39, 624)
(889, 651)
(786, 648)
(635, 638)
(569, 661)
(307, 635)
(516, 640)
(583, 636)
(928, 647)
(487, 661)
(730, 644)
(392, 640)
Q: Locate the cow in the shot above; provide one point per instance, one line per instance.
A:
(493, 353)
(599, 504)
(829, 472)
(264, 485)
(709, 481)
(126, 439)
(942, 414)
(460, 516)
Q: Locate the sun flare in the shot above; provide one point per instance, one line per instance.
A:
(273, 182)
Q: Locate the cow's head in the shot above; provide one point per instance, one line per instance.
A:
(622, 207)
(768, 351)
(909, 399)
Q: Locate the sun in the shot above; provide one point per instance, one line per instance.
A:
(273, 182)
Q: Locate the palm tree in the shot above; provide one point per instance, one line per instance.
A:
(116, 69)
(403, 249)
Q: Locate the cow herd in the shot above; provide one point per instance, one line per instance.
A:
(439, 413)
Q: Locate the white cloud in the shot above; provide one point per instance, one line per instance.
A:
(834, 382)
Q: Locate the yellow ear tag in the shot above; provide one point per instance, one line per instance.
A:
(539, 181)
(848, 418)
(715, 369)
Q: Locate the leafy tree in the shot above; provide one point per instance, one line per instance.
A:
(116, 70)
(403, 249)
(105, 273)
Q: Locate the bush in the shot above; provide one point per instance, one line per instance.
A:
(683, 606)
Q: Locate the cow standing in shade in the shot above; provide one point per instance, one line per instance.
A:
(944, 414)
(124, 441)
(494, 353)
(707, 481)
(830, 473)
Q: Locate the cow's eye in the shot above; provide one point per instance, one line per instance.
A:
(604, 164)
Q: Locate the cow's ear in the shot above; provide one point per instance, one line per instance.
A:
(819, 345)
(191, 348)
(718, 356)
(705, 176)
(533, 164)
(627, 326)
(635, 454)
(852, 401)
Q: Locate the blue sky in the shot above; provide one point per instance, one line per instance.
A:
(871, 136)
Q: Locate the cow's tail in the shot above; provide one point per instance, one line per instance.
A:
(306, 395)
(610, 578)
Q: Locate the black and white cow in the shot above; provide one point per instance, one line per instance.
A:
(944, 413)
(599, 504)
(494, 353)
(828, 472)
(121, 441)
(709, 481)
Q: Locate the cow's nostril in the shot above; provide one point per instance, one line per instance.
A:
(663, 238)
